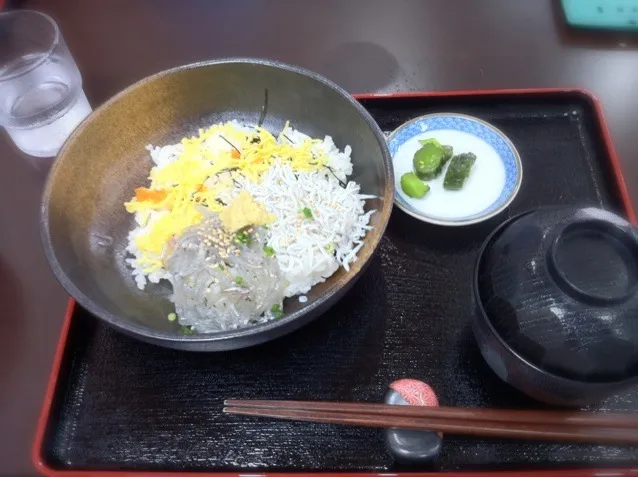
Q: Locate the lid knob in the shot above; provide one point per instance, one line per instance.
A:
(594, 261)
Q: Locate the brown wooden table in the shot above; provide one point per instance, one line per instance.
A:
(365, 45)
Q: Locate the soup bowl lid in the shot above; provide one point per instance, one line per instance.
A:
(559, 287)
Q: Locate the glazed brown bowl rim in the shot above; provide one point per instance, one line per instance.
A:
(155, 335)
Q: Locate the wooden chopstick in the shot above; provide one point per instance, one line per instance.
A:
(562, 418)
(475, 428)
(451, 425)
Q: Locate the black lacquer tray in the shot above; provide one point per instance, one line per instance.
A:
(118, 404)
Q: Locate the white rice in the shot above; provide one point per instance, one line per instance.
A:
(308, 250)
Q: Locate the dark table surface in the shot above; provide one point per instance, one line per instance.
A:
(364, 45)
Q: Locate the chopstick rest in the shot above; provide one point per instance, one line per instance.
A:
(408, 446)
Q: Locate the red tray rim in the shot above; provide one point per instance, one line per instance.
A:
(43, 468)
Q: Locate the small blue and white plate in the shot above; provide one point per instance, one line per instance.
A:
(492, 185)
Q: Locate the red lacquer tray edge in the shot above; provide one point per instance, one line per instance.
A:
(48, 471)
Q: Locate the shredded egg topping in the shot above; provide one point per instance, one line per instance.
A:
(203, 173)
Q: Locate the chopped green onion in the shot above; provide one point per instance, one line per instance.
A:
(239, 280)
(330, 248)
(187, 330)
(307, 213)
(243, 238)
(269, 251)
(276, 311)
(172, 317)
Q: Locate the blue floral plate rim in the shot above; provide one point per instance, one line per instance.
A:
(475, 219)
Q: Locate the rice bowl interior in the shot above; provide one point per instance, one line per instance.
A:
(237, 218)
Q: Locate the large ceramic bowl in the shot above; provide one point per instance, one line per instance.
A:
(84, 223)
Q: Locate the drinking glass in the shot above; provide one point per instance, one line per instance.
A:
(41, 96)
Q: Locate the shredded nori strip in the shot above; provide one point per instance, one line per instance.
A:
(200, 186)
(231, 144)
(264, 109)
(226, 169)
(341, 183)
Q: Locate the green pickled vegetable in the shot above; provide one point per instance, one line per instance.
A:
(423, 142)
(429, 161)
(449, 152)
(459, 171)
(413, 186)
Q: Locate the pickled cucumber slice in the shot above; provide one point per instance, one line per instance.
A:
(459, 171)
(428, 161)
(413, 186)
